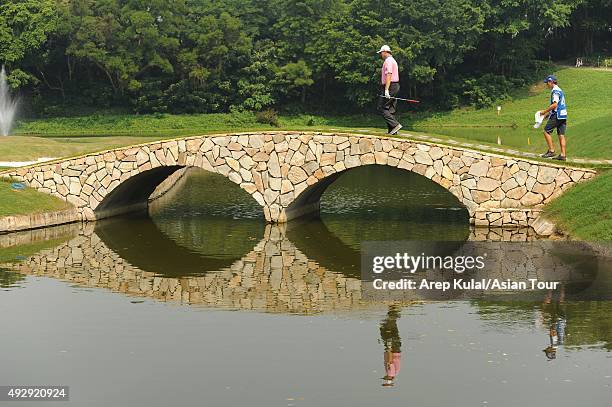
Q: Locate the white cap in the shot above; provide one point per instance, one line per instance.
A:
(384, 48)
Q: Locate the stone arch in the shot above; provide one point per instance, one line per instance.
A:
(309, 200)
(121, 180)
(133, 193)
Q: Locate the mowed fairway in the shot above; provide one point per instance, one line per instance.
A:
(24, 148)
(589, 97)
(71, 136)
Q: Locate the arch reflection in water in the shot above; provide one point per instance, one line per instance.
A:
(198, 222)
(273, 276)
(377, 203)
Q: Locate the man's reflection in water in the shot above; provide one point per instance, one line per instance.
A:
(557, 322)
(390, 337)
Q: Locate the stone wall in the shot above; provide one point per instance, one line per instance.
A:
(38, 220)
(286, 172)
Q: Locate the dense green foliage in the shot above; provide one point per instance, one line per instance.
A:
(202, 56)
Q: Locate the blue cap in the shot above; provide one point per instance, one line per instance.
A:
(550, 78)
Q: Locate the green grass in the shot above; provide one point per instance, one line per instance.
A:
(27, 201)
(23, 148)
(71, 136)
(585, 210)
(178, 125)
(589, 96)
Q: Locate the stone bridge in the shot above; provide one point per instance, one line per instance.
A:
(287, 172)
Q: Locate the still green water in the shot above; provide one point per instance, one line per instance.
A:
(134, 311)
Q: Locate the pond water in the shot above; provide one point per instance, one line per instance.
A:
(201, 303)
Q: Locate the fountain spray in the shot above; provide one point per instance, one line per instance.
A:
(8, 105)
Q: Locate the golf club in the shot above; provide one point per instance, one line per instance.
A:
(405, 100)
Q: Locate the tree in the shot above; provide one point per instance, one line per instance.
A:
(25, 26)
(126, 41)
(294, 76)
(215, 55)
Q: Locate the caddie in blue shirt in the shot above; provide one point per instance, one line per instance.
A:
(557, 119)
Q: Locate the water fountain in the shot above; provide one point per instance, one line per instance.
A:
(8, 105)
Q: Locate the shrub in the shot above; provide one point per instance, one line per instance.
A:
(268, 116)
(487, 89)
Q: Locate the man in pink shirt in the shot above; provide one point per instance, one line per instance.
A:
(390, 88)
(389, 335)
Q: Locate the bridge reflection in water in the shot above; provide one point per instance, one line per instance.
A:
(191, 248)
(194, 251)
(274, 274)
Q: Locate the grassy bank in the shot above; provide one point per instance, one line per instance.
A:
(588, 93)
(585, 210)
(27, 201)
(181, 125)
(588, 128)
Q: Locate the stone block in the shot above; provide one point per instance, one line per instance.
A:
(479, 168)
(275, 183)
(246, 162)
(381, 157)
(235, 177)
(261, 156)
(436, 153)
(531, 199)
(487, 184)
(546, 175)
(297, 175)
(328, 159)
(246, 174)
(516, 193)
(249, 187)
(521, 177)
(233, 164)
(575, 175)
(274, 165)
(509, 184)
(545, 189)
(421, 157)
(495, 172)
(480, 196)
(365, 145)
(367, 159)
(298, 158)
